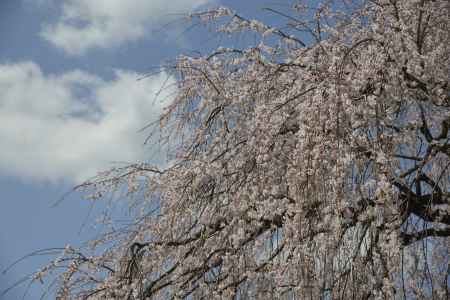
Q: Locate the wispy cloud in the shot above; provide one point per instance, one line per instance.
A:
(72, 125)
(88, 24)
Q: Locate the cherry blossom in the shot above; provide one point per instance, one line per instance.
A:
(313, 164)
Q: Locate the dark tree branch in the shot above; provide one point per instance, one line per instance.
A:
(409, 238)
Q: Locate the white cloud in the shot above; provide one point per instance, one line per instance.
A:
(69, 127)
(87, 24)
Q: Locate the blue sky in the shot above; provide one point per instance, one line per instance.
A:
(71, 105)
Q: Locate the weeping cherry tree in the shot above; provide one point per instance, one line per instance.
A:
(312, 163)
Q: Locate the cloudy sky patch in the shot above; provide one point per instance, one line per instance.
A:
(70, 126)
(88, 24)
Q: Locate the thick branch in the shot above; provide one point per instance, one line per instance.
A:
(409, 238)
